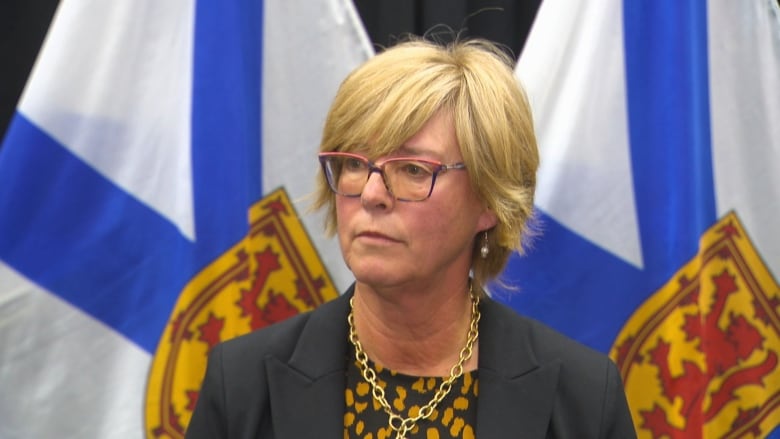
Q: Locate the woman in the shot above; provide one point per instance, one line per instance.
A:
(429, 162)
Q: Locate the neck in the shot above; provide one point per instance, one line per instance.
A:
(416, 333)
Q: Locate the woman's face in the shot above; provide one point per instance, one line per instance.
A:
(390, 243)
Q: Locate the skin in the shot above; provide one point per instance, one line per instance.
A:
(411, 261)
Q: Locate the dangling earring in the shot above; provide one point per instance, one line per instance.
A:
(484, 250)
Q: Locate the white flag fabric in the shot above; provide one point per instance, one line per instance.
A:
(659, 198)
(146, 132)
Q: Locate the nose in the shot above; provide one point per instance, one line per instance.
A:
(376, 192)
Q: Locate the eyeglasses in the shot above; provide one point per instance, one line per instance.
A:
(407, 179)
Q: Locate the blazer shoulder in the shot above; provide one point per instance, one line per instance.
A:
(545, 343)
(235, 397)
(281, 339)
(277, 339)
(588, 380)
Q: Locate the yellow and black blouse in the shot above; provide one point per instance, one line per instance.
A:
(364, 418)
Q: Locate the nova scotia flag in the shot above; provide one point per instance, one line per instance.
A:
(146, 132)
(659, 199)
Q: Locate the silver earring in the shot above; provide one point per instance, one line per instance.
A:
(484, 250)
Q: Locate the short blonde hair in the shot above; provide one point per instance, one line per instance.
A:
(389, 98)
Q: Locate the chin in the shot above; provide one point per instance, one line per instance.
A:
(375, 276)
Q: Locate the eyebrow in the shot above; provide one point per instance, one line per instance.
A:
(417, 151)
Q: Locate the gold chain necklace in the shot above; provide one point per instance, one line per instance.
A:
(397, 423)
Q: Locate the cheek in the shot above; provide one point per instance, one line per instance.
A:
(452, 220)
(435, 228)
(431, 226)
(343, 210)
(346, 209)
(342, 218)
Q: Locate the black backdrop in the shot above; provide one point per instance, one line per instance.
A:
(23, 25)
(503, 21)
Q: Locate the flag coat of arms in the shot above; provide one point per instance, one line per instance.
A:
(153, 189)
(659, 201)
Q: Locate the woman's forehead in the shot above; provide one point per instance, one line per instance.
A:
(435, 138)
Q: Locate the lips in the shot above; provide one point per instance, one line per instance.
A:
(375, 236)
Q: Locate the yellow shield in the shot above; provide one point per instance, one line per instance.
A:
(273, 273)
(699, 357)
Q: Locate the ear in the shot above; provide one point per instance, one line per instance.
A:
(487, 220)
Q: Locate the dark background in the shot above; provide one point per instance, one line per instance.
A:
(23, 25)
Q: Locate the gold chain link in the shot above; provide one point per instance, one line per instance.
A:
(396, 422)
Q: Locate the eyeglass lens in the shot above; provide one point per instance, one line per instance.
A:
(406, 179)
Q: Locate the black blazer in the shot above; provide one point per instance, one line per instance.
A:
(288, 381)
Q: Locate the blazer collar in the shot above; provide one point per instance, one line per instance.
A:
(516, 391)
(307, 393)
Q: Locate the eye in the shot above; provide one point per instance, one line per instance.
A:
(415, 169)
(354, 165)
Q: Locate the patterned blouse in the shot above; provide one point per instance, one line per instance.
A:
(454, 417)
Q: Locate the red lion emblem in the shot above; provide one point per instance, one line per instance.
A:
(699, 358)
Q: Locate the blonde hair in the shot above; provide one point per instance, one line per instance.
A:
(389, 98)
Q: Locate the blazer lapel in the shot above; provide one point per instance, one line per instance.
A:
(516, 393)
(307, 393)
